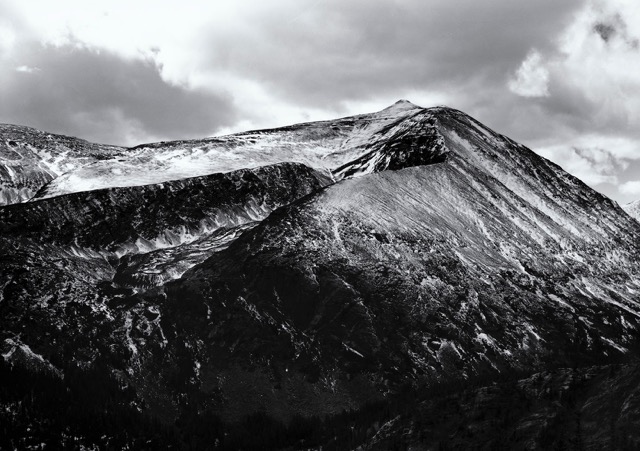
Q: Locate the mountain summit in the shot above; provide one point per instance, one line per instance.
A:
(281, 276)
(401, 105)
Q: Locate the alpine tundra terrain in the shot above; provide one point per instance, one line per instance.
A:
(402, 279)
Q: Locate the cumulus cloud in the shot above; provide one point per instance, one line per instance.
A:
(7, 38)
(607, 163)
(597, 70)
(593, 165)
(631, 188)
(27, 69)
(532, 77)
(299, 60)
(595, 89)
(100, 96)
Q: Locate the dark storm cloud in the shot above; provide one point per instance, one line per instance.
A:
(102, 97)
(562, 114)
(360, 50)
(311, 55)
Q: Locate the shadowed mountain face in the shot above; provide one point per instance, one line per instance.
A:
(401, 250)
(587, 408)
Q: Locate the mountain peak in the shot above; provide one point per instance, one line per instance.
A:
(402, 104)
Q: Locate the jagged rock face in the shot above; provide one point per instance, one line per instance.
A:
(441, 250)
(29, 159)
(413, 141)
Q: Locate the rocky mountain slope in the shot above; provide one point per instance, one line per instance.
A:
(30, 158)
(485, 262)
(318, 267)
(141, 219)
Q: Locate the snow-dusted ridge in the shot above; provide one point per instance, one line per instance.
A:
(31, 158)
(326, 146)
(400, 135)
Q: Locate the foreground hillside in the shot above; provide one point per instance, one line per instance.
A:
(325, 283)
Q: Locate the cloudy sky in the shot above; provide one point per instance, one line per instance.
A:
(562, 77)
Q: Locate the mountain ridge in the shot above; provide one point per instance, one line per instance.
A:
(173, 160)
(31, 158)
(424, 248)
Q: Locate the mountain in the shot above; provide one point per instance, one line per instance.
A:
(633, 209)
(485, 262)
(260, 286)
(327, 146)
(39, 164)
(30, 158)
